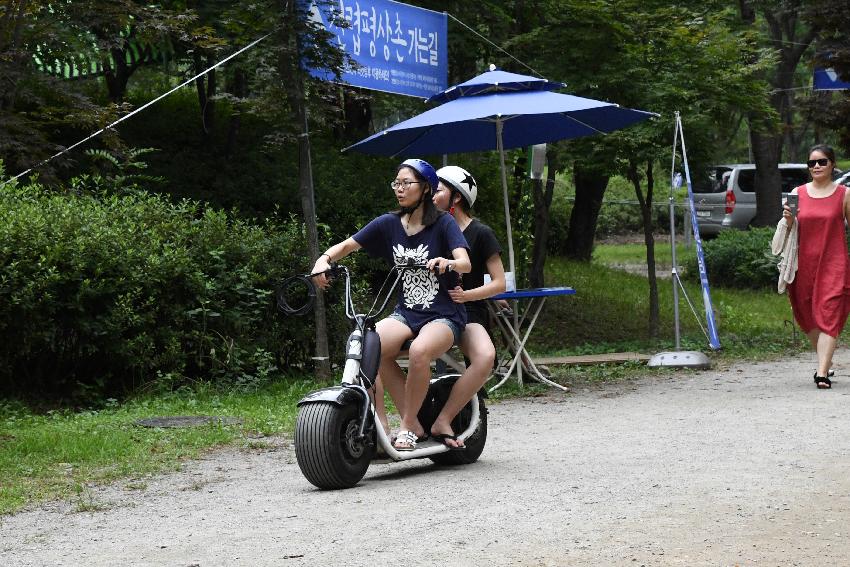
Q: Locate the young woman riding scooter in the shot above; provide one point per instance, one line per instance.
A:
(425, 312)
(456, 194)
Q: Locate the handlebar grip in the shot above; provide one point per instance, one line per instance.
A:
(333, 270)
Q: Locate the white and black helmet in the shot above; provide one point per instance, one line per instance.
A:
(460, 180)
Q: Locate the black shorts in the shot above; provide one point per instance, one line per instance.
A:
(478, 315)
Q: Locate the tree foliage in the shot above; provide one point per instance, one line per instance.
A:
(239, 139)
(831, 111)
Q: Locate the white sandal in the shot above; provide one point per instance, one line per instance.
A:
(409, 439)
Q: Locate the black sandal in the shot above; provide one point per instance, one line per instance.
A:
(823, 382)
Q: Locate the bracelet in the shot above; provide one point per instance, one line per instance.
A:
(328, 255)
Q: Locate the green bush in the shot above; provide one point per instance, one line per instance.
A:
(101, 293)
(738, 258)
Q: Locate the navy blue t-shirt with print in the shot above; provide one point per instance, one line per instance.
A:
(423, 296)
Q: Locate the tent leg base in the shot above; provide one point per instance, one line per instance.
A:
(681, 359)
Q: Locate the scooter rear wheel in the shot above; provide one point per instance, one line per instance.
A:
(474, 443)
(326, 446)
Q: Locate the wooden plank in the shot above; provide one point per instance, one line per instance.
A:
(585, 359)
(580, 360)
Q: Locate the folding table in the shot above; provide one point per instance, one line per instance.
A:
(537, 298)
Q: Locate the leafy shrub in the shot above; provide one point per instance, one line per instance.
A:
(739, 259)
(100, 293)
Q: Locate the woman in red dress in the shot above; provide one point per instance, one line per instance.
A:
(820, 293)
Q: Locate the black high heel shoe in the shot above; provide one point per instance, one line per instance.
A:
(823, 382)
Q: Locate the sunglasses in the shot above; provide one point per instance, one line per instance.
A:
(822, 162)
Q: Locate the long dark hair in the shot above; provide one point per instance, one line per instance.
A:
(825, 150)
(430, 213)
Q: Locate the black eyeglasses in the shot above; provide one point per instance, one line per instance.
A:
(822, 162)
(404, 184)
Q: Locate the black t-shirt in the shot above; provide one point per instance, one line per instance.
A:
(482, 244)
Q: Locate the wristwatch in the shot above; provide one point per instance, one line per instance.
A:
(450, 267)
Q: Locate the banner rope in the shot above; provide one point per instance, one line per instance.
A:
(125, 117)
(535, 71)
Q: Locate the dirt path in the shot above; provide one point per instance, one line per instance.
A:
(747, 465)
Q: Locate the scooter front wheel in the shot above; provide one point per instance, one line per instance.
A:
(327, 448)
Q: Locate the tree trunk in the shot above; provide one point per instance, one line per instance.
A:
(542, 202)
(205, 85)
(11, 50)
(590, 190)
(357, 110)
(649, 240)
(767, 137)
(239, 90)
(117, 75)
(767, 149)
(290, 67)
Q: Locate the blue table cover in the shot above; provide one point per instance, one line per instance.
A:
(536, 292)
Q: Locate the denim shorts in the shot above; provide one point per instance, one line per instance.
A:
(451, 324)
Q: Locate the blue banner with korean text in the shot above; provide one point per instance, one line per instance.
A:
(711, 324)
(398, 48)
(828, 80)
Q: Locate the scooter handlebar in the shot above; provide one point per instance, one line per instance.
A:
(306, 280)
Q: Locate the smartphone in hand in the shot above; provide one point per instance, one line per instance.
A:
(792, 203)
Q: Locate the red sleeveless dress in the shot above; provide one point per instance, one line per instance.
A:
(820, 293)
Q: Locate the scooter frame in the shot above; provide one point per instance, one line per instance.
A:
(359, 375)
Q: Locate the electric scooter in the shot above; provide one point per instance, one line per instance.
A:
(337, 432)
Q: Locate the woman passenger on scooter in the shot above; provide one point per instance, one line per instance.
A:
(425, 311)
(456, 194)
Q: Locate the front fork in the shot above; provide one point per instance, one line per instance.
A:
(353, 357)
(361, 368)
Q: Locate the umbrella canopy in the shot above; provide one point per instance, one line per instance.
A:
(494, 111)
(468, 123)
(495, 81)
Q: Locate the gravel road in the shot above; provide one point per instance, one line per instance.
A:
(744, 465)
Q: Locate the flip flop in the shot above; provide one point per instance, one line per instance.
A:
(442, 437)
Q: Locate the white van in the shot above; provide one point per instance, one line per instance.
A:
(728, 198)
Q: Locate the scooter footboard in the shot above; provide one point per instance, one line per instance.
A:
(466, 423)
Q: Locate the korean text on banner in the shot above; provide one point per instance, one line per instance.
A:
(398, 48)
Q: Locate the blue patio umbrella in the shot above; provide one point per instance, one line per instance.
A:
(499, 110)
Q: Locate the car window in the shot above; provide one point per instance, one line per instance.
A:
(711, 180)
(789, 178)
(747, 180)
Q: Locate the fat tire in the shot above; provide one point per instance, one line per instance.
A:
(474, 443)
(327, 454)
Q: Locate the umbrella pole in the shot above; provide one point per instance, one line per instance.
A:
(500, 147)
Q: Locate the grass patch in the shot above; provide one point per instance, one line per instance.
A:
(610, 310)
(59, 454)
(613, 254)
